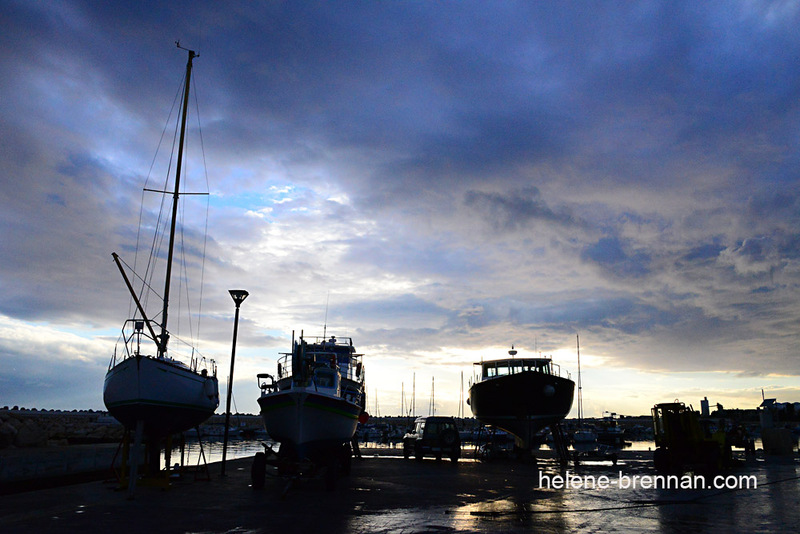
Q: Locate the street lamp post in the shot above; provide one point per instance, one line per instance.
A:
(238, 296)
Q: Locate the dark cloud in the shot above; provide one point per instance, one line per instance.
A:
(703, 252)
(618, 258)
(517, 209)
(625, 314)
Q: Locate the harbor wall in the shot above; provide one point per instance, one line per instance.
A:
(32, 468)
(41, 428)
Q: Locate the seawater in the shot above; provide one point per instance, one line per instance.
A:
(211, 449)
(243, 448)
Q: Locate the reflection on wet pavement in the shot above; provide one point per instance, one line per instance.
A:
(520, 505)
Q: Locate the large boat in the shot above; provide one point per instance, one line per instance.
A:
(520, 395)
(146, 389)
(314, 404)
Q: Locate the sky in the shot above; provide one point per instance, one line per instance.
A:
(437, 180)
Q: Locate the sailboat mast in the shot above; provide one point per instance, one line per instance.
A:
(164, 337)
(414, 394)
(580, 392)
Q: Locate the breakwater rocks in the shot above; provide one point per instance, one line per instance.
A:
(21, 428)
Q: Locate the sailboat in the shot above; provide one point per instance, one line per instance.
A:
(146, 388)
(583, 435)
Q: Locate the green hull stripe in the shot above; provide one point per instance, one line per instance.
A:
(332, 410)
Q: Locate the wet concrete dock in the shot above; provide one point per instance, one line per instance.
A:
(386, 493)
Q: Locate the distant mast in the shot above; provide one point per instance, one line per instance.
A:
(432, 407)
(164, 337)
(461, 398)
(414, 395)
(580, 393)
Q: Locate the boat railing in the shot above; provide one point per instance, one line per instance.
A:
(266, 383)
(352, 394)
(180, 352)
(284, 366)
(131, 337)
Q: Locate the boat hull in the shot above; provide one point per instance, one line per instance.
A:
(167, 398)
(522, 403)
(306, 421)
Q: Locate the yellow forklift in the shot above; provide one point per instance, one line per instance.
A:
(683, 444)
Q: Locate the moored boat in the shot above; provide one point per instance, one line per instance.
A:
(609, 432)
(520, 395)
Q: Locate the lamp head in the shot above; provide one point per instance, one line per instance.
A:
(238, 295)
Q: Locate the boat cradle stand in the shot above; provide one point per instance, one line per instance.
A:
(560, 443)
(131, 459)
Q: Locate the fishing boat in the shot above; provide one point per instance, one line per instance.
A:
(314, 404)
(520, 395)
(148, 388)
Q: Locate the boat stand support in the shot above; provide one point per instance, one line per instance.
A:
(560, 442)
(201, 472)
(134, 458)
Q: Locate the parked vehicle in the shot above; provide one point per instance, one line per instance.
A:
(433, 436)
(682, 444)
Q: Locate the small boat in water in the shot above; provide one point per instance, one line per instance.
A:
(313, 406)
(584, 435)
(146, 389)
(609, 432)
(520, 395)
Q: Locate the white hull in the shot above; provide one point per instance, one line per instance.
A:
(167, 397)
(301, 418)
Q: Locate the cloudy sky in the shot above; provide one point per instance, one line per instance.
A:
(449, 178)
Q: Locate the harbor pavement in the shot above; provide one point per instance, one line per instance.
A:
(386, 493)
